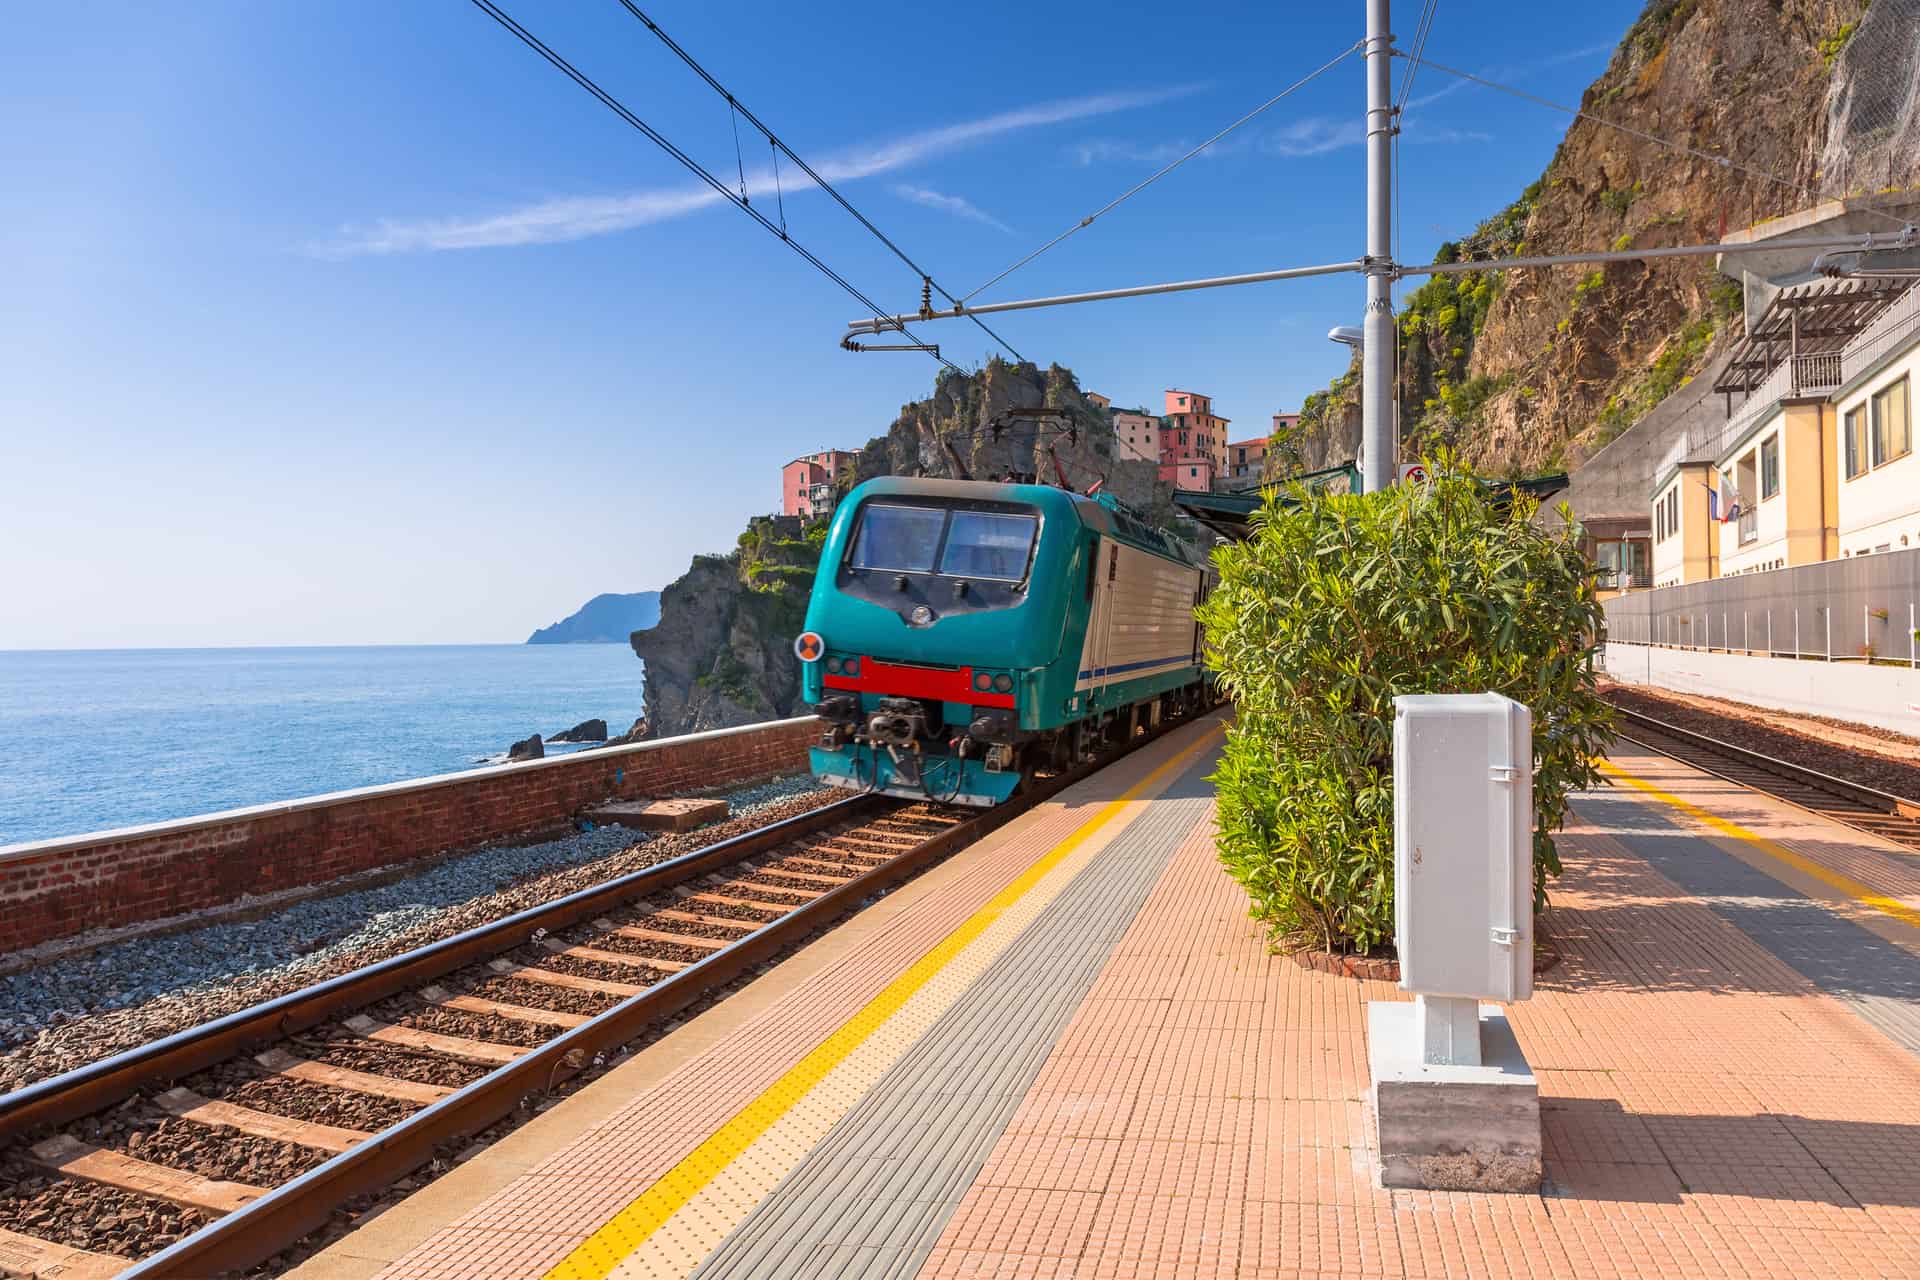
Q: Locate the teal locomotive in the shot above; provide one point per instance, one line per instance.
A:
(963, 634)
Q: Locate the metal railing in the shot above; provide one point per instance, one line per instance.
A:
(1819, 371)
(1749, 527)
(1891, 327)
(1822, 371)
(1863, 609)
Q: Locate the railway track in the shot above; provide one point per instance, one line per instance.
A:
(338, 1091)
(1881, 813)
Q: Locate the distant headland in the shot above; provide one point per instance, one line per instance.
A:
(605, 619)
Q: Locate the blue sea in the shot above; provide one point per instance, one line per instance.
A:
(91, 739)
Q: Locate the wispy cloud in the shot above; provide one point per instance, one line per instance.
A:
(1311, 136)
(958, 206)
(578, 217)
(1314, 136)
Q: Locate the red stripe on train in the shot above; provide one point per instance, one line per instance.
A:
(918, 682)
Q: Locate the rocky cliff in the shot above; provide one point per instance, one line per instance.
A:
(722, 652)
(1534, 370)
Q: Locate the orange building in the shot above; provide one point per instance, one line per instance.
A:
(806, 483)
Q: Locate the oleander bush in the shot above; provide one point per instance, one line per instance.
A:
(1335, 605)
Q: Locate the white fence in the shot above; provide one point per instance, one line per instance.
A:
(1865, 608)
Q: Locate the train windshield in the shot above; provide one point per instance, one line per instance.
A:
(901, 538)
(984, 544)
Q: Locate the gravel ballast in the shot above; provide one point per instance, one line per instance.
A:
(1749, 731)
(78, 1008)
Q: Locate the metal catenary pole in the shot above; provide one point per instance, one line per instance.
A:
(1377, 461)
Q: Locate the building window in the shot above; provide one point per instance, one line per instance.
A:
(1856, 441)
(1892, 424)
(1769, 467)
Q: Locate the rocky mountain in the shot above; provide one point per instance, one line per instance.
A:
(1535, 370)
(605, 619)
(722, 652)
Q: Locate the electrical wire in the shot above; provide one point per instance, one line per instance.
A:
(660, 140)
(1725, 162)
(1143, 185)
(822, 183)
(1417, 49)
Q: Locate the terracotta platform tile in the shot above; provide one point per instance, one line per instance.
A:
(1344, 1177)
(1145, 1235)
(1318, 1240)
(1067, 1112)
(970, 1264)
(1313, 1122)
(1023, 1220)
(1204, 1169)
(1047, 1162)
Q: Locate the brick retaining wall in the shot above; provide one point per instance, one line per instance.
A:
(53, 889)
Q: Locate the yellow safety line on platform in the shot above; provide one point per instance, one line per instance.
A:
(596, 1256)
(1852, 888)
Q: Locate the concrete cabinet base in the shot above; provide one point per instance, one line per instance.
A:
(1453, 1128)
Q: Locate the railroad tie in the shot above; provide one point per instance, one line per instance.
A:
(282, 1063)
(32, 1256)
(711, 922)
(571, 981)
(625, 960)
(638, 934)
(188, 1105)
(440, 998)
(87, 1163)
(482, 1051)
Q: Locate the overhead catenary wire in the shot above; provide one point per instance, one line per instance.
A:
(720, 188)
(1725, 162)
(1142, 185)
(780, 147)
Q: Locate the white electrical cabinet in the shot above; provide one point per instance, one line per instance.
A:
(1463, 845)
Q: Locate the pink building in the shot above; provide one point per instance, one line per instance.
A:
(806, 483)
(1193, 441)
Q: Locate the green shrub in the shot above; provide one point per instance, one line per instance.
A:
(1331, 609)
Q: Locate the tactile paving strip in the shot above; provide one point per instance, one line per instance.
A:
(687, 1209)
(871, 1198)
(1878, 978)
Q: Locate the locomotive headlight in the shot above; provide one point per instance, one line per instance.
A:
(983, 682)
(850, 667)
(1003, 683)
(922, 615)
(833, 666)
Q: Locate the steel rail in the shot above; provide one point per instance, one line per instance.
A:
(98, 1085)
(1871, 798)
(285, 1214)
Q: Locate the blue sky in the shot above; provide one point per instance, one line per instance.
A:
(357, 322)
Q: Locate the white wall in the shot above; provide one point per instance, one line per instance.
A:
(1885, 696)
(1882, 506)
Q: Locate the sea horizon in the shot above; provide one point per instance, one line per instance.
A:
(105, 738)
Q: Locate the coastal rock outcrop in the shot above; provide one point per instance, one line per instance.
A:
(585, 731)
(527, 749)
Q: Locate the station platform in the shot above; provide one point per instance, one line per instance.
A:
(1068, 1052)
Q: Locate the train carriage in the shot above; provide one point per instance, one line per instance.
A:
(962, 635)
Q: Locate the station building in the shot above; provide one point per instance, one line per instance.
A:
(1817, 462)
